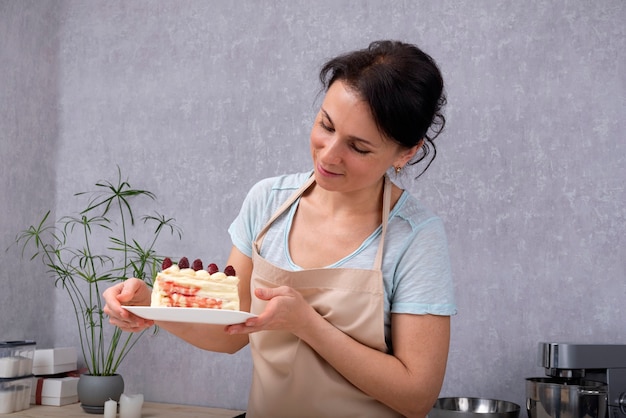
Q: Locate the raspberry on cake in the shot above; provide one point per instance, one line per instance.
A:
(179, 285)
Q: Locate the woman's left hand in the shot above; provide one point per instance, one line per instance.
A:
(286, 310)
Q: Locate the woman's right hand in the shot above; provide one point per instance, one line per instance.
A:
(129, 292)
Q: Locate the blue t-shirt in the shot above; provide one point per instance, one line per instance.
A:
(416, 265)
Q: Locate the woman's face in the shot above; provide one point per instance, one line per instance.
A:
(349, 152)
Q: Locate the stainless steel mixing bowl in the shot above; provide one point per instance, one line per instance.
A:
(548, 397)
(473, 408)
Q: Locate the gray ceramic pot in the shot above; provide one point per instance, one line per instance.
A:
(94, 391)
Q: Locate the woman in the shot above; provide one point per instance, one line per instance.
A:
(349, 275)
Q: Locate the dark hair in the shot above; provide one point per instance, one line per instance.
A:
(403, 88)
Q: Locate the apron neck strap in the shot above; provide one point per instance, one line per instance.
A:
(378, 262)
(280, 210)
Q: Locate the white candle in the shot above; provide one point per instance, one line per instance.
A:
(130, 405)
(110, 409)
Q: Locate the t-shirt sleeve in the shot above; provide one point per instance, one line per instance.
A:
(423, 282)
(251, 218)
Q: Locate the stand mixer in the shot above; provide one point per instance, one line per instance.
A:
(585, 380)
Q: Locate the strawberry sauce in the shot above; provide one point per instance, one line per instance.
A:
(186, 297)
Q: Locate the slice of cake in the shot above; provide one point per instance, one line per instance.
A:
(179, 285)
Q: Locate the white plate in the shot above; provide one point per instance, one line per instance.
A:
(195, 315)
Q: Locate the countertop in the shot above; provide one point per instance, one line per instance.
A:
(149, 410)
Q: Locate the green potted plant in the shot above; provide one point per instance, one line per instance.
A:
(103, 243)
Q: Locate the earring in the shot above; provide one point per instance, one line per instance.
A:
(398, 169)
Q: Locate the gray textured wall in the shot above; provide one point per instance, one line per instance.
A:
(29, 132)
(196, 100)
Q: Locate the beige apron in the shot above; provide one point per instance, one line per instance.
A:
(289, 378)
